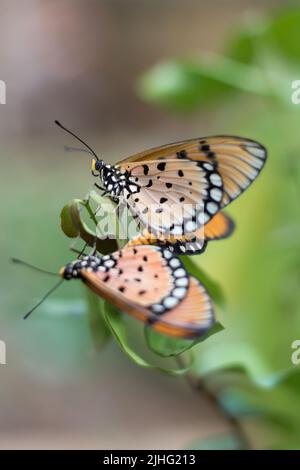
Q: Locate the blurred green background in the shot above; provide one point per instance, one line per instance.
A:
(128, 75)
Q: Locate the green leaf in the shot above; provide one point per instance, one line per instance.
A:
(239, 76)
(189, 84)
(66, 222)
(73, 225)
(72, 222)
(226, 441)
(167, 346)
(98, 326)
(117, 327)
(179, 85)
(216, 328)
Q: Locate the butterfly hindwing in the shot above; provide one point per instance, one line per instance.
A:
(219, 227)
(151, 284)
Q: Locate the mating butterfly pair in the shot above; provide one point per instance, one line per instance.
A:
(150, 282)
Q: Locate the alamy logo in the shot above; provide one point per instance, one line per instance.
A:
(2, 92)
(2, 352)
(295, 357)
(295, 97)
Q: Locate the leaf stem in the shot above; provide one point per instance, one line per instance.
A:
(198, 385)
(90, 211)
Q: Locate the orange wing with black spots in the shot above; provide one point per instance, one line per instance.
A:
(173, 197)
(238, 160)
(152, 285)
(219, 227)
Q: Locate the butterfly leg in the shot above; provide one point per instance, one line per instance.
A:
(82, 251)
(79, 252)
(94, 249)
(104, 192)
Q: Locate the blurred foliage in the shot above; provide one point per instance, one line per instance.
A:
(226, 441)
(250, 84)
(259, 59)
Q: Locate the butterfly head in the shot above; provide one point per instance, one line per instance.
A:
(97, 166)
(73, 270)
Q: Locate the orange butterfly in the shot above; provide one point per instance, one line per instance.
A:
(151, 284)
(175, 192)
(232, 163)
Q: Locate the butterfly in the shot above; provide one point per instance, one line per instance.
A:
(212, 170)
(176, 191)
(151, 284)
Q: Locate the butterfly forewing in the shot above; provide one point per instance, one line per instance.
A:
(139, 273)
(173, 197)
(238, 160)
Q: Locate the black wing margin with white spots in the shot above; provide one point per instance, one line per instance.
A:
(239, 160)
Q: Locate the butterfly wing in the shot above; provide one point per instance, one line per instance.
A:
(193, 317)
(173, 197)
(239, 160)
(152, 285)
(219, 227)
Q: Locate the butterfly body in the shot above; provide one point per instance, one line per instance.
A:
(113, 179)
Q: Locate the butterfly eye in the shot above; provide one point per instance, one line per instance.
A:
(67, 272)
(94, 163)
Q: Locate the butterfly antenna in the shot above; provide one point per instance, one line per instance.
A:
(67, 148)
(44, 298)
(31, 266)
(77, 138)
